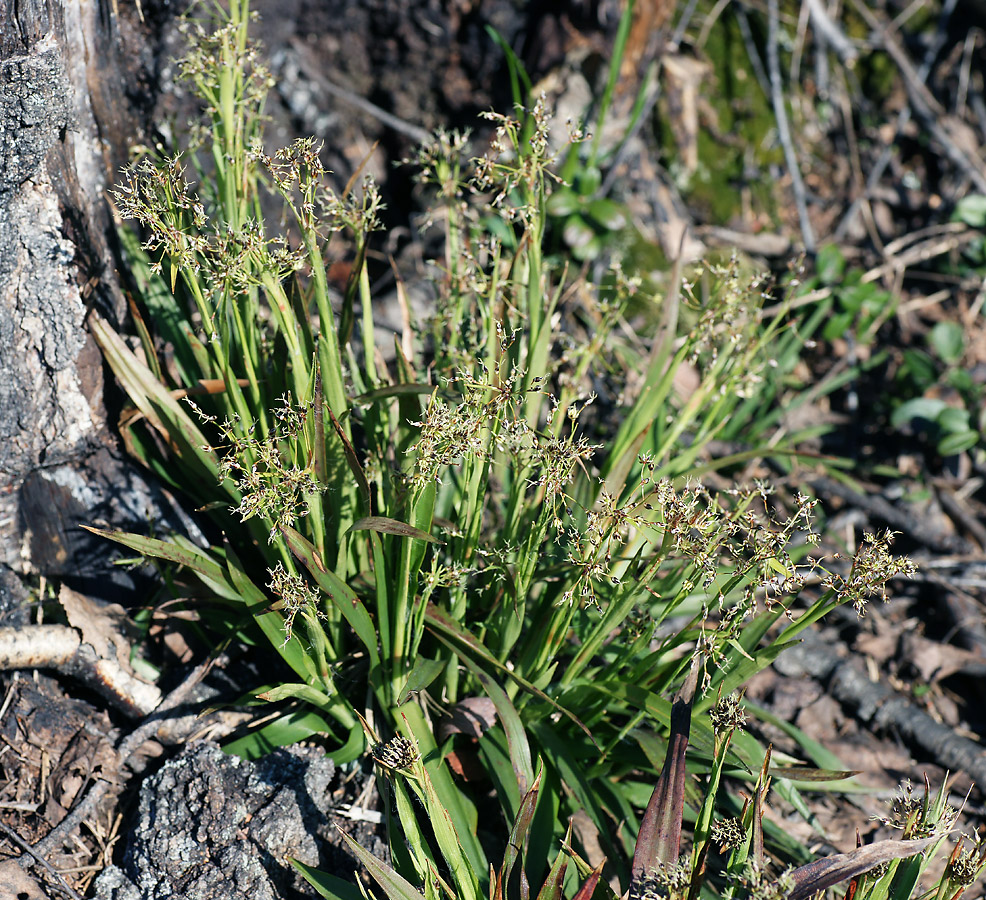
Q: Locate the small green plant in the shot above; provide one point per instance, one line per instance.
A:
(936, 395)
(857, 307)
(467, 523)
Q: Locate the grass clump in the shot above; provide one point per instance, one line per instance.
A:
(471, 522)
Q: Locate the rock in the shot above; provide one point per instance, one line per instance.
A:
(211, 825)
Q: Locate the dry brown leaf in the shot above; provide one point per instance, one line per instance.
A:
(102, 625)
(472, 716)
(935, 660)
(16, 884)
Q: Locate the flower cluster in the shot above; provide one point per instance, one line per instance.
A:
(296, 596)
(273, 473)
(872, 568)
(398, 753)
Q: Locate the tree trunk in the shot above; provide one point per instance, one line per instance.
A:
(70, 98)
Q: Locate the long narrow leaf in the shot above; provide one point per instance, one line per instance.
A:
(395, 886)
(660, 830)
(824, 873)
(518, 835)
(338, 592)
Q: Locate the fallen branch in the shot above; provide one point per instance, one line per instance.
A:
(882, 708)
(783, 129)
(62, 648)
(126, 748)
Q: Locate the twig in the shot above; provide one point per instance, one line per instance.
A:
(63, 649)
(312, 69)
(923, 102)
(903, 521)
(883, 708)
(756, 63)
(684, 20)
(48, 867)
(652, 95)
(956, 511)
(903, 117)
(125, 749)
(783, 128)
(949, 236)
(829, 32)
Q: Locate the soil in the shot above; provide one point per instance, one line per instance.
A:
(432, 63)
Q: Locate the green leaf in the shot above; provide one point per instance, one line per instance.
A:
(384, 525)
(830, 264)
(952, 419)
(921, 367)
(589, 250)
(330, 886)
(807, 773)
(158, 405)
(837, 325)
(307, 692)
(855, 297)
(587, 180)
(205, 567)
(270, 621)
(395, 887)
(958, 442)
(927, 408)
(971, 210)
(577, 232)
(292, 727)
(423, 673)
(451, 633)
(338, 592)
(947, 339)
(607, 213)
(520, 751)
(562, 202)
(518, 835)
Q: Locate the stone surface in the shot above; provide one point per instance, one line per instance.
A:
(211, 825)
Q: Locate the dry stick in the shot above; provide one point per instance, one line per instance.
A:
(923, 103)
(959, 514)
(63, 649)
(896, 518)
(829, 32)
(953, 236)
(903, 117)
(883, 708)
(783, 128)
(125, 749)
(49, 868)
(312, 67)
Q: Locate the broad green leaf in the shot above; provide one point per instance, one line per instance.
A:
(927, 408)
(830, 264)
(958, 442)
(607, 213)
(562, 202)
(971, 210)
